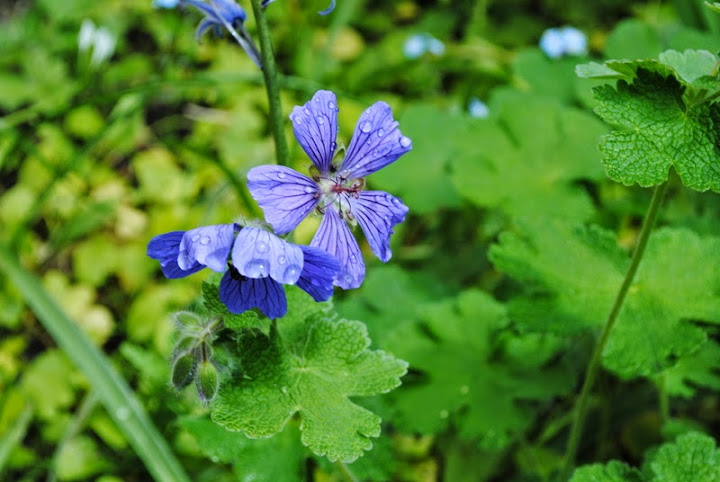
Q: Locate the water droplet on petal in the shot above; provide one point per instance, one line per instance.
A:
(281, 175)
(256, 268)
(405, 141)
(381, 133)
(205, 240)
(292, 271)
(320, 120)
(366, 127)
(195, 238)
(282, 259)
(309, 190)
(331, 105)
(261, 247)
(352, 258)
(348, 278)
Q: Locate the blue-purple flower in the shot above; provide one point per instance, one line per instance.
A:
(260, 264)
(219, 15)
(336, 190)
(557, 42)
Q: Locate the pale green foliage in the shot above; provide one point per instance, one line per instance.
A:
(455, 346)
(693, 457)
(664, 117)
(530, 155)
(309, 364)
(573, 274)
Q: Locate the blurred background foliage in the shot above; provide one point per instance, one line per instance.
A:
(139, 130)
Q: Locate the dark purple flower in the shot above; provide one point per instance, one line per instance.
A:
(337, 191)
(261, 264)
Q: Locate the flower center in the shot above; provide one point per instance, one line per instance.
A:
(336, 191)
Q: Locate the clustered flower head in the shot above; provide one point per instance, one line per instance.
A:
(336, 190)
(557, 42)
(256, 263)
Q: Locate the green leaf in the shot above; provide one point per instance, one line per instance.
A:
(533, 153)
(699, 369)
(277, 458)
(661, 121)
(613, 471)
(693, 457)
(309, 367)
(714, 6)
(454, 348)
(572, 276)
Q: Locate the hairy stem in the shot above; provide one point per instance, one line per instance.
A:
(345, 471)
(277, 122)
(592, 369)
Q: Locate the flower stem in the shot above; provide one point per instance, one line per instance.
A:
(592, 369)
(277, 122)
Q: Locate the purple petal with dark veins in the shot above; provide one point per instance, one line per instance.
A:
(259, 254)
(165, 248)
(318, 273)
(315, 126)
(378, 212)
(377, 142)
(285, 195)
(240, 294)
(208, 245)
(334, 236)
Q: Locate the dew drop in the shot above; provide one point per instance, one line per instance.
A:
(309, 190)
(381, 133)
(261, 247)
(281, 259)
(292, 271)
(352, 258)
(285, 389)
(331, 105)
(320, 120)
(444, 414)
(348, 278)
(205, 240)
(256, 268)
(464, 389)
(281, 175)
(122, 413)
(215, 459)
(405, 141)
(366, 127)
(195, 238)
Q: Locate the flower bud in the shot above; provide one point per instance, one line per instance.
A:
(208, 381)
(183, 370)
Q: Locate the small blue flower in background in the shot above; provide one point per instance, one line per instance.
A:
(556, 42)
(165, 3)
(261, 264)
(220, 14)
(336, 191)
(478, 108)
(417, 45)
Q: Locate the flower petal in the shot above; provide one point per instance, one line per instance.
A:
(166, 248)
(315, 127)
(259, 254)
(377, 142)
(284, 195)
(378, 212)
(319, 271)
(209, 245)
(334, 236)
(240, 294)
(327, 11)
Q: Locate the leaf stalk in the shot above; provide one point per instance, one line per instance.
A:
(581, 405)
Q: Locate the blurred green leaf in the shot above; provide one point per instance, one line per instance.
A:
(699, 369)
(573, 274)
(529, 157)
